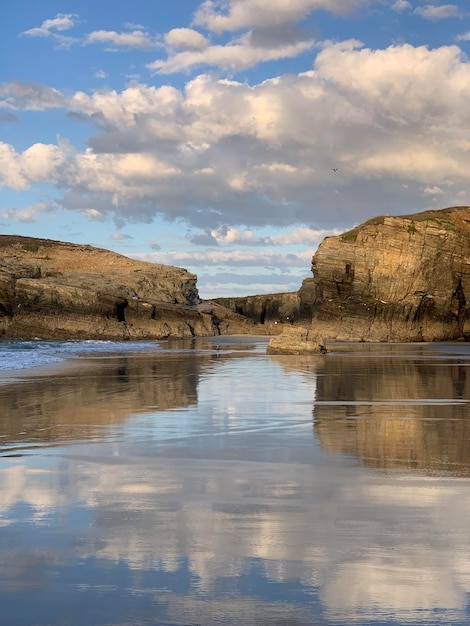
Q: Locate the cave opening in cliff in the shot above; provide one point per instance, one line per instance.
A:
(120, 307)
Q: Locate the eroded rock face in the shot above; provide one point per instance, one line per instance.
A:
(391, 279)
(268, 311)
(394, 279)
(51, 289)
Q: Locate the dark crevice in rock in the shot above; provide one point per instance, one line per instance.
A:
(119, 310)
(458, 305)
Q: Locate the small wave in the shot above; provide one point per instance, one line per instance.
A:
(18, 355)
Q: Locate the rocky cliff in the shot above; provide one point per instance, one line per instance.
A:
(267, 310)
(51, 289)
(390, 279)
(401, 278)
(394, 279)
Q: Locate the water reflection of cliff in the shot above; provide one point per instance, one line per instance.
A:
(396, 411)
(80, 402)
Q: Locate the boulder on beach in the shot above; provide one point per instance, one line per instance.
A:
(296, 340)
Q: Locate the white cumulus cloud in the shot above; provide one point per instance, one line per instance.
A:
(222, 153)
(231, 15)
(186, 39)
(238, 55)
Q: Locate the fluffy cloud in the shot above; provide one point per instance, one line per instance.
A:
(238, 55)
(186, 39)
(222, 15)
(39, 163)
(234, 236)
(93, 214)
(302, 236)
(137, 102)
(433, 191)
(60, 23)
(223, 153)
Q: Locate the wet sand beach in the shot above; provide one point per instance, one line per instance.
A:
(209, 483)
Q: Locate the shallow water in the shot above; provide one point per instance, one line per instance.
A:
(16, 354)
(196, 484)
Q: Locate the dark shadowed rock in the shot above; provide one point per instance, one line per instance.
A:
(270, 311)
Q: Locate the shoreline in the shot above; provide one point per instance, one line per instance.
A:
(81, 361)
(45, 369)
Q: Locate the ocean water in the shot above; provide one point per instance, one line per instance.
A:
(205, 482)
(18, 354)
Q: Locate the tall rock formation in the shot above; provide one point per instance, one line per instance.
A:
(394, 279)
(390, 279)
(50, 289)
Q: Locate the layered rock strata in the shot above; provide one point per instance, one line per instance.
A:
(390, 279)
(50, 289)
(394, 279)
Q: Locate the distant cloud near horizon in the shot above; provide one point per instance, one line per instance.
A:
(120, 237)
(238, 258)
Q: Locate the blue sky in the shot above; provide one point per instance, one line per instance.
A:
(206, 134)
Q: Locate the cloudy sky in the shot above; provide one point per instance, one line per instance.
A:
(229, 137)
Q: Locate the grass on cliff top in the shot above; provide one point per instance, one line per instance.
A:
(444, 217)
(438, 215)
